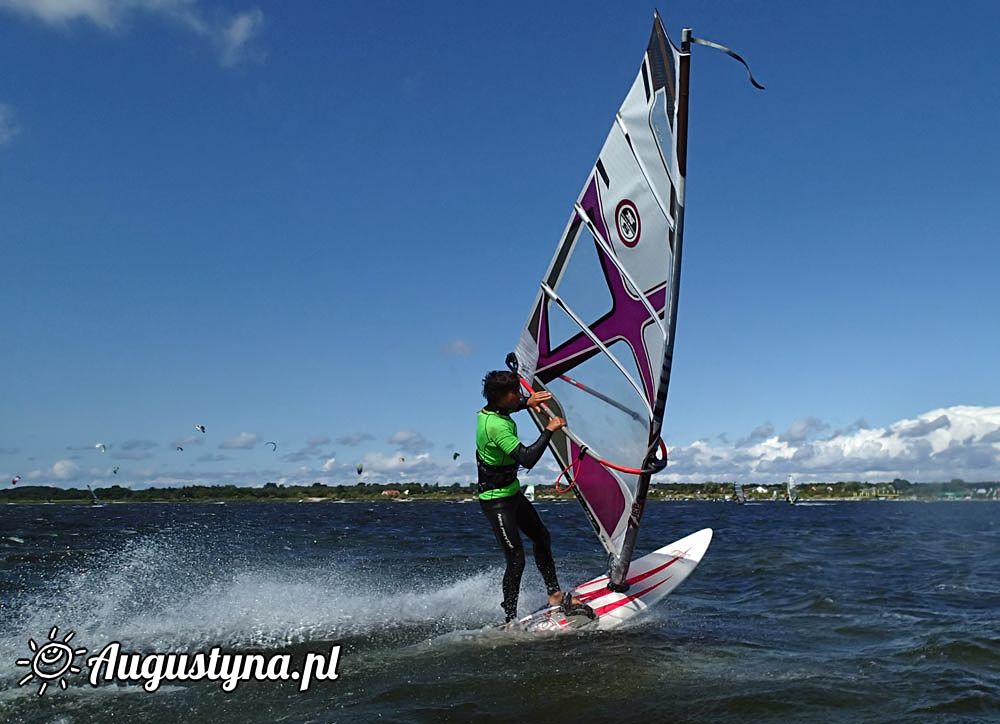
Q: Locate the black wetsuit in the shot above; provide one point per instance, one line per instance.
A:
(512, 513)
(507, 516)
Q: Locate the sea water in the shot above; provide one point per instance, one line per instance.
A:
(853, 612)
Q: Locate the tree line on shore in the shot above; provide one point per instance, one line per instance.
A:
(709, 490)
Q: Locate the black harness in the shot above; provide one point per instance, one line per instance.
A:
(492, 477)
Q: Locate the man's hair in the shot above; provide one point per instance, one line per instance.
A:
(498, 383)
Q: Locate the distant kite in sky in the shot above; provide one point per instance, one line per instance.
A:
(200, 428)
(361, 468)
(180, 448)
(402, 459)
(115, 471)
(101, 446)
(273, 449)
(15, 479)
(454, 456)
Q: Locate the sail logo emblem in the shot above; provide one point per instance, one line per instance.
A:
(627, 221)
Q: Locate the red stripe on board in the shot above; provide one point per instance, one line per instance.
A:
(628, 599)
(635, 579)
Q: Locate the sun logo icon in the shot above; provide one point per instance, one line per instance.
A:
(51, 661)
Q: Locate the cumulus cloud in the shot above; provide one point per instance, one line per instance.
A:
(991, 436)
(8, 126)
(329, 465)
(960, 441)
(230, 33)
(235, 36)
(761, 432)
(458, 348)
(918, 428)
(354, 439)
(312, 450)
(64, 470)
(803, 428)
(243, 441)
(409, 440)
(859, 424)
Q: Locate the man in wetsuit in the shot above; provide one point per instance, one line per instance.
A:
(499, 453)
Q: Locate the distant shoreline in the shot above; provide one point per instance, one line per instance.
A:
(709, 491)
(439, 499)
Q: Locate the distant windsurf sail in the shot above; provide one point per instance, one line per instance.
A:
(529, 493)
(790, 495)
(600, 335)
(738, 493)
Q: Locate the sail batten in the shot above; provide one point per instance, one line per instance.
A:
(599, 343)
(638, 160)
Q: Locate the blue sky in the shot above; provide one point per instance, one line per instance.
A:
(308, 222)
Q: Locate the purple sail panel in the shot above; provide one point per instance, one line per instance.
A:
(600, 489)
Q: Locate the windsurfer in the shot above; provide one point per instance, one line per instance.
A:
(499, 453)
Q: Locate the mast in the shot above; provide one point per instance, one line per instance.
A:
(619, 567)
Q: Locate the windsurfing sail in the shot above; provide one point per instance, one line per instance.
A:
(790, 495)
(738, 494)
(529, 493)
(600, 334)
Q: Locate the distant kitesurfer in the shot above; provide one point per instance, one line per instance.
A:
(499, 453)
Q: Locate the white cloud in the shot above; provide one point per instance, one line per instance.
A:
(230, 34)
(941, 444)
(243, 441)
(803, 428)
(64, 470)
(102, 13)
(329, 465)
(458, 348)
(409, 440)
(8, 127)
(761, 432)
(235, 36)
(355, 438)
